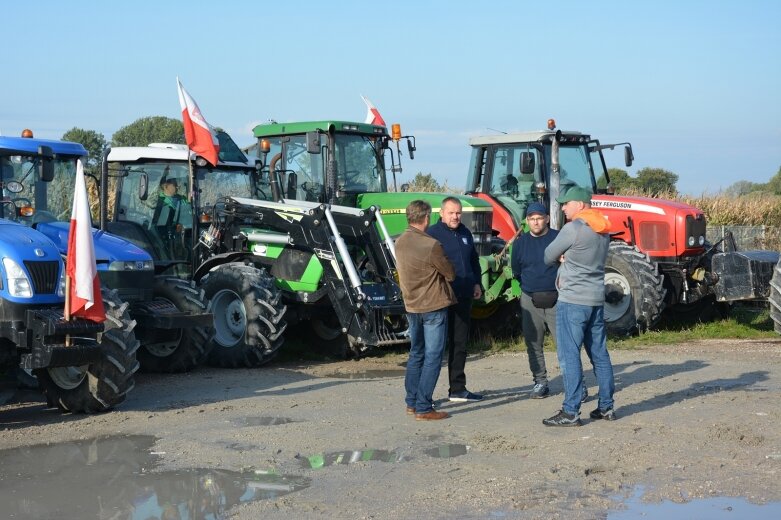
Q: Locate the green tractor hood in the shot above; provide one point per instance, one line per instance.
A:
(393, 207)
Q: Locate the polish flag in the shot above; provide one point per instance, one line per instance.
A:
(84, 298)
(199, 135)
(373, 116)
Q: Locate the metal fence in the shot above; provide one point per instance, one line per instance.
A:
(748, 237)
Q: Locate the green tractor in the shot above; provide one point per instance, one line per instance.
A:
(262, 264)
(344, 163)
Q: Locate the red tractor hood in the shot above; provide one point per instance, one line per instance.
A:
(661, 228)
(649, 205)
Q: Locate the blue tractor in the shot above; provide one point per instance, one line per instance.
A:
(172, 316)
(81, 366)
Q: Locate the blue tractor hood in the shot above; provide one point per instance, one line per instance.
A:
(21, 243)
(108, 248)
(26, 246)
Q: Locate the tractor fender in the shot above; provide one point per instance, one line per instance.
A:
(216, 261)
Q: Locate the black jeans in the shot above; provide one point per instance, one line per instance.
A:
(458, 320)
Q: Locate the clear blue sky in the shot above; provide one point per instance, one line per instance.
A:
(694, 86)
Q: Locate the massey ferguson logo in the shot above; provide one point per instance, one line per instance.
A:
(629, 206)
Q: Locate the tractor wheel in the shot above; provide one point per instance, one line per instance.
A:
(178, 350)
(496, 320)
(634, 296)
(247, 316)
(775, 298)
(101, 385)
(330, 340)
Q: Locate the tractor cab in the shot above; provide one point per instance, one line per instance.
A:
(513, 170)
(165, 196)
(327, 161)
(37, 177)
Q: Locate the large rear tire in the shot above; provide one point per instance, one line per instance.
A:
(496, 320)
(634, 295)
(248, 316)
(775, 298)
(178, 350)
(101, 385)
(331, 341)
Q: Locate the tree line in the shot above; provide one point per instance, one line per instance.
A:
(141, 132)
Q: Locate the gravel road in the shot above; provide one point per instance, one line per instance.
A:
(695, 420)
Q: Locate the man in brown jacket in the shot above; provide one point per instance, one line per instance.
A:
(425, 274)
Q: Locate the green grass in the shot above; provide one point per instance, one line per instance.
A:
(744, 322)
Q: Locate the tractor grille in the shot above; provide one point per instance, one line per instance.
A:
(44, 276)
(479, 223)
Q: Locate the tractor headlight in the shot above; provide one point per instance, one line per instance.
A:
(61, 284)
(18, 283)
(691, 241)
(701, 240)
(121, 265)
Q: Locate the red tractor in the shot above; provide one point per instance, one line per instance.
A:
(659, 256)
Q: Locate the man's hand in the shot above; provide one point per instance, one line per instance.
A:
(477, 292)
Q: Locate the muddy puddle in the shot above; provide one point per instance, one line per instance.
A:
(112, 477)
(367, 374)
(262, 421)
(321, 460)
(713, 508)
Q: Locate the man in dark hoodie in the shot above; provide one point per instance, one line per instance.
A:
(459, 247)
(581, 246)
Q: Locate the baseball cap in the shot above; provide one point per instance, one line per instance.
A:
(574, 193)
(535, 208)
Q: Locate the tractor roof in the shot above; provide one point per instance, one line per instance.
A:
(30, 145)
(230, 154)
(301, 127)
(163, 151)
(525, 137)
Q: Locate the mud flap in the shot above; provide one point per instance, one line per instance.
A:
(743, 275)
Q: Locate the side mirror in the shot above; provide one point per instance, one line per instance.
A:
(46, 171)
(313, 142)
(628, 156)
(527, 163)
(411, 149)
(143, 186)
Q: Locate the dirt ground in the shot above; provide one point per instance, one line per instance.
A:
(695, 420)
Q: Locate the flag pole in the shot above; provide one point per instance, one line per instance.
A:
(67, 307)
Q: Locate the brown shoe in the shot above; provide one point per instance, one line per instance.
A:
(431, 416)
(410, 410)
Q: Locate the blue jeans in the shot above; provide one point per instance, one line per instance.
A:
(427, 334)
(578, 325)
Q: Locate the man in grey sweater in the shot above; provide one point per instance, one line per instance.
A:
(581, 246)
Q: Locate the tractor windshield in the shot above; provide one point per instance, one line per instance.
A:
(215, 184)
(508, 185)
(29, 200)
(360, 164)
(500, 171)
(575, 167)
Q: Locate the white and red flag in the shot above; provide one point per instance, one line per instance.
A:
(199, 135)
(84, 298)
(373, 116)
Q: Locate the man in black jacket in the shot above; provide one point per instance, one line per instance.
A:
(459, 247)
